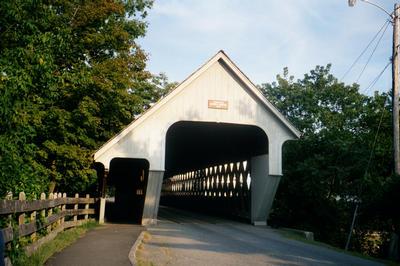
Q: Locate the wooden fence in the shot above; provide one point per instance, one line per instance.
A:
(39, 221)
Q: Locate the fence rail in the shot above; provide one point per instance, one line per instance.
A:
(26, 218)
(16, 206)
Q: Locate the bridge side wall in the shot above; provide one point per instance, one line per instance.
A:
(263, 189)
(152, 200)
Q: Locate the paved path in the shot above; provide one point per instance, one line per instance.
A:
(108, 244)
(184, 238)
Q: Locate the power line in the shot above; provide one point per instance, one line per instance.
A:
(376, 135)
(387, 22)
(373, 52)
(375, 80)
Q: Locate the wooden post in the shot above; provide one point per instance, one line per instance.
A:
(102, 210)
(76, 207)
(33, 220)
(43, 212)
(87, 207)
(104, 184)
(50, 212)
(55, 224)
(64, 195)
(9, 196)
(59, 208)
(21, 217)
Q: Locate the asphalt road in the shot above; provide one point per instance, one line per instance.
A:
(184, 238)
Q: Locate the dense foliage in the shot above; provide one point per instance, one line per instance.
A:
(71, 76)
(343, 158)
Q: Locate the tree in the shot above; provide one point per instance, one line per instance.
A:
(341, 157)
(70, 73)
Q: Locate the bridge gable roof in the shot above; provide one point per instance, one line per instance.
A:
(222, 58)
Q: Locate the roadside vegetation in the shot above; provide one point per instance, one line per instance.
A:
(297, 237)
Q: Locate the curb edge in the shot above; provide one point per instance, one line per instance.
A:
(132, 252)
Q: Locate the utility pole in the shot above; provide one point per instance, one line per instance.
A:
(395, 89)
(395, 19)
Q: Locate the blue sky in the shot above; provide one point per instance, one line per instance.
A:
(264, 36)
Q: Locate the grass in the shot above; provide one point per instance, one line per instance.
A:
(297, 237)
(61, 241)
(144, 263)
(146, 237)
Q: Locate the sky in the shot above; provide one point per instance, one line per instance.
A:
(264, 36)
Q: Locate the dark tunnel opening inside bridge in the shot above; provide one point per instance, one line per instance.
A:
(208, 167)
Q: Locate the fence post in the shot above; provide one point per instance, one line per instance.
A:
(76, 206)
(55, 210)
(50, 212)
(87, 207)
(43, 212)
(21, 217)
(59, 208)
(64, 195)
(9, 196)
(33, 220)
(102, 210)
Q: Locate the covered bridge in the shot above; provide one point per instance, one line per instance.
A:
(214, 137)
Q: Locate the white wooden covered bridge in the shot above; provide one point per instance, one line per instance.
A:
(210, 132)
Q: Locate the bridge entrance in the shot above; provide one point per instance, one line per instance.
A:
(208, 166)
(127, 183)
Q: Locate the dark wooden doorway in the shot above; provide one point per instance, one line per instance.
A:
(129, 178)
